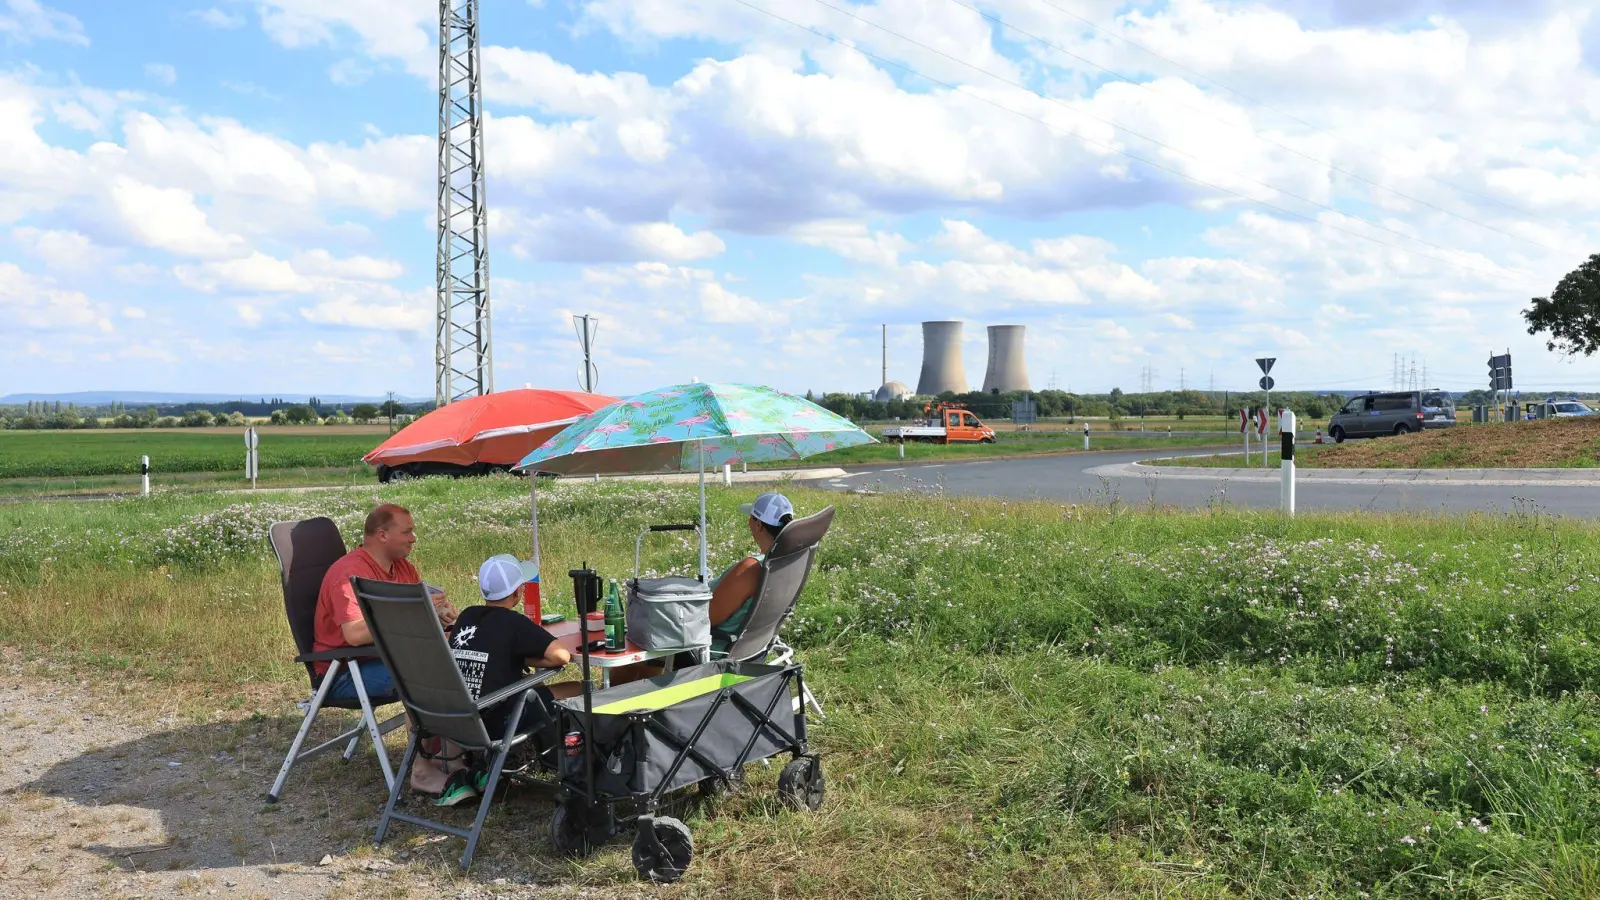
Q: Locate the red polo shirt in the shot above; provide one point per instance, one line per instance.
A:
(336, 604)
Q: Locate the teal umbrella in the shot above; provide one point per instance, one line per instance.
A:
(687, 427)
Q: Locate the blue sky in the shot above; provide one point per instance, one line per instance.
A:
(238, 196)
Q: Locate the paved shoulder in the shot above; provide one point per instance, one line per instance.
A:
(1443, 477)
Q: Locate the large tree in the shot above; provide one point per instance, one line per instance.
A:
(1571, 314)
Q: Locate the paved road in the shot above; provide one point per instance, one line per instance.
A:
(1099, 477)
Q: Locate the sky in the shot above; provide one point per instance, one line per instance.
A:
(218, 195)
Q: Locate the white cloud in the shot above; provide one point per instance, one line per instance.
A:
(29, 20)
(31, 302)
(378, 311)
(161, 73)
(248, 314)
(218, 18)
(256, 273)
(168, 219)
(853, 240)
(61, 250)
(323, 263)
(723, 307)
(133, 312)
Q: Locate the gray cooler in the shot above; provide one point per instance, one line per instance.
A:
(669, 613)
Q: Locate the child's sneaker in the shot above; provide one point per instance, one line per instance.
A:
(460, 787)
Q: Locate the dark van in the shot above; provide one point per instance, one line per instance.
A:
(1395, 412)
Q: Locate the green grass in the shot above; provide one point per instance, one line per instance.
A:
(351, 476)
(1303, 457)
(44, 454)
(1023, 699)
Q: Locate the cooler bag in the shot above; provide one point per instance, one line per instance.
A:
(669, 613)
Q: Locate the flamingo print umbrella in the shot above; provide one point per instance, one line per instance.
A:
(687, 427)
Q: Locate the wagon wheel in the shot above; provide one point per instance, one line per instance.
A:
(662, 849)
(569, 832)
(800, 784)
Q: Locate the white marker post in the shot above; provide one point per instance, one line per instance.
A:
(1086, 435)
(144, 476)
(1286, 429)
(252, 460)
(727, 474)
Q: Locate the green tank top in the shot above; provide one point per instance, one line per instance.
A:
(724, 634)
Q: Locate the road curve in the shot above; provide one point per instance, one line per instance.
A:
(1102, 477)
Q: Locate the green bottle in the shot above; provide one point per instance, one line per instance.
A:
(616, 625)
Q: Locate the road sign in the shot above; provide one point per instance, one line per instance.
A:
(1244, 421)
(251, 439)
(1500, 372)
(1266, 382)
(1265, 363)
(1261, 420)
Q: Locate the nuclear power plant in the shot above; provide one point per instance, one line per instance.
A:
(890, 390)
(942, 369)
(1008, 365)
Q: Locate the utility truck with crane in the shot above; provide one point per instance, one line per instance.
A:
(949, 423)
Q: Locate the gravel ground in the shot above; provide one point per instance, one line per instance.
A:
(107, 794)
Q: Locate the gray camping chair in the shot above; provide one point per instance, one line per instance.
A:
(306, 550)
(406, 630)
(784, 572)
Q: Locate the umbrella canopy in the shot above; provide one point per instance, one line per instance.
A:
(685, 427)
(499, 428)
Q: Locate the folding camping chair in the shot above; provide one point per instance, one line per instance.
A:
(406, 630)
(784, 572)
(305, 550)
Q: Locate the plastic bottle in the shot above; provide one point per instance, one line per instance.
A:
(616, 625)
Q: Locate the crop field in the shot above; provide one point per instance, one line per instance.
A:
(43, 454)
(1022, 699)
(1552, 443)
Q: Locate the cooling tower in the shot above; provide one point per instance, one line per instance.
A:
(942, 369)
(1008, 367)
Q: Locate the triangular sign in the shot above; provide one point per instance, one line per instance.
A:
(1265, 363)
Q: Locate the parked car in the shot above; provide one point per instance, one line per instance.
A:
(1394, 412)
(1566, 409)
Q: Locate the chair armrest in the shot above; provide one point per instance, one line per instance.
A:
(363, 651)
(517, 687)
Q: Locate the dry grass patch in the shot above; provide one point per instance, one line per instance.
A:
(1552, 443)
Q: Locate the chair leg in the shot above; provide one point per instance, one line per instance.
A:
(305, 729)
(372, 726)
(494, 781)
(811, 699)
(397, 785)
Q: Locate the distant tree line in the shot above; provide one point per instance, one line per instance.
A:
(39, 415)
(1113, 405)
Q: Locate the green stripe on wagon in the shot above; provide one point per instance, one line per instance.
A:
(669, 696)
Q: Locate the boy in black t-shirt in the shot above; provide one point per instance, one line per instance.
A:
(494, 646)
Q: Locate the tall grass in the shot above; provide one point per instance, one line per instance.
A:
(1023, 699)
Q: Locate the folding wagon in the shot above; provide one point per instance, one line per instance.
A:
(627, 747)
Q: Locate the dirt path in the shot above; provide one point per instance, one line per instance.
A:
(108, 795)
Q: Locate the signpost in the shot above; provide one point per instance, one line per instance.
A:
(1265, 364)
(144, 476)
(1500, 378)
(252, 458)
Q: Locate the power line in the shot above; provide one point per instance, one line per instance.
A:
(1119, 151)
(1265, 105)
(1247, 130)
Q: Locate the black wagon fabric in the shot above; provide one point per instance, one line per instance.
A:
(635, 751)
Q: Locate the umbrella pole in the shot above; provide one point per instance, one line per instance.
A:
(533, 511)
(705, 574)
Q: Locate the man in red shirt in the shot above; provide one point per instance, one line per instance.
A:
(386, 542)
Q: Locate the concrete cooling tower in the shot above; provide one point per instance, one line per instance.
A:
(942, 369)
(1008, 366)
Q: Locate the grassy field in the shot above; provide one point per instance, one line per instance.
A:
(1006, 444)
(1024, 700)
(1549, 444)
(43, 454)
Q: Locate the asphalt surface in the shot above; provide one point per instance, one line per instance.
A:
(1102, 477)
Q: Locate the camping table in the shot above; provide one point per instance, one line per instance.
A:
(606, 660)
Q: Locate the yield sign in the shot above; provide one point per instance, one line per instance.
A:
(1265, 363)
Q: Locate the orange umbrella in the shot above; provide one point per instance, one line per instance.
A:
(499, 428)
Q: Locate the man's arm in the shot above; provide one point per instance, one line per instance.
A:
(356, 633)
(555, 656)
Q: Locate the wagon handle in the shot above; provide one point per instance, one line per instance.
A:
(638, 544)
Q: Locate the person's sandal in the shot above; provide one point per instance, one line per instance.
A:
(460, 787)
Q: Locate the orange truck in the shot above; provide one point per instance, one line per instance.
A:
(951, 423)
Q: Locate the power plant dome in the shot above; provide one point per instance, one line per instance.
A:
(893, 390)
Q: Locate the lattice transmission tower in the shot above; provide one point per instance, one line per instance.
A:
(463, 361)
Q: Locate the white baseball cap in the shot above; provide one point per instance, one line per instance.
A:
(769, 508)
(500, 576)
